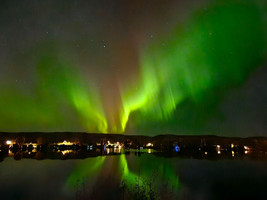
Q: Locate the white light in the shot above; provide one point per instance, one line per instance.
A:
(8, 142)
(149, 145)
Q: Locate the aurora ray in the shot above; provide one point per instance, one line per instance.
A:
(82, 84)
(211, 53)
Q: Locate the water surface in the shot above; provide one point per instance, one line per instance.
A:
(133, 176)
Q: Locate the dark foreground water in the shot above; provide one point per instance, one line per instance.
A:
(133, 176)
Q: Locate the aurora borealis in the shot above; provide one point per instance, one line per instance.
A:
(142, 67)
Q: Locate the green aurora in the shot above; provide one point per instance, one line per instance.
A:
(215, 51)
(190, 67)
(57, 83)
(146, 169)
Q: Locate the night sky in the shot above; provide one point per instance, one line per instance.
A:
(134, 66)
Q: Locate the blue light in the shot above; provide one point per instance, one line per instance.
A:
(176, 148)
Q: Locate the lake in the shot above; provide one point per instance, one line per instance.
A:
(134, 176)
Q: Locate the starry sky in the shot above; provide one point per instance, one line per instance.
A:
(134, 66)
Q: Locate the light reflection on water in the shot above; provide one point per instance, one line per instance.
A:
(133, 176)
